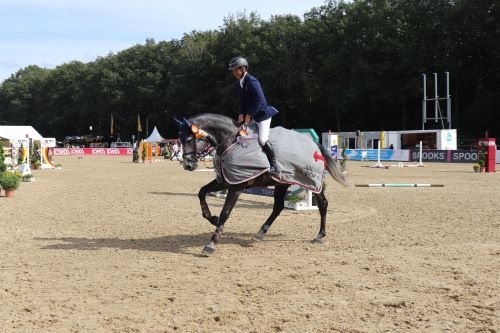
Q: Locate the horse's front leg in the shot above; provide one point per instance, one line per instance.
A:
(231, 198)
(213, 186)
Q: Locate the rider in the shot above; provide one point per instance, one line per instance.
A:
(253, 104)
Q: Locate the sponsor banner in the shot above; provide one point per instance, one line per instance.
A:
(429, 155)
(48, 142)
(91, 151)
(268, 192)
(450, 156)
(372, 154)
(18, 142)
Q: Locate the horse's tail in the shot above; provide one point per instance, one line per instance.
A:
(333, 167)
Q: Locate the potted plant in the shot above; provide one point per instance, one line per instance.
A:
(476, 167)
(482, 161)
(3, 166)
(135, 155)
(28, 178)
(9, 182)
(293, 200)
(35, 162)
(35, 158)
(166, 154)
(37, 165)
(343, 161)
(20, 155)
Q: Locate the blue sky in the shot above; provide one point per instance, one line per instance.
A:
(48, 33)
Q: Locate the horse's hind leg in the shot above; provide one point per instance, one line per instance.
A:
(322, 203)
(213, 186)
(279, 204)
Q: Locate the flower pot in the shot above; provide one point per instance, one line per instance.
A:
(483, 169)
(9, 193)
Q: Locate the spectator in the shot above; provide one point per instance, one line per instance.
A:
(175, 152)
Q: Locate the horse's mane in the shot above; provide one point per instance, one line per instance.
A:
(213, 120)
(221, 128)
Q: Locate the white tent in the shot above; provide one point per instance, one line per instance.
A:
(19, 132)
(155, 136)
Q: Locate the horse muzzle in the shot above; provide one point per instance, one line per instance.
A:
(189, 165)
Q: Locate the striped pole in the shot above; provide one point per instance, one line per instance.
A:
(399, 185)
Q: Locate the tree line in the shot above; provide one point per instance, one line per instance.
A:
(343, 66)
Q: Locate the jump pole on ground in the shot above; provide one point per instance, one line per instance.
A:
(399, 185)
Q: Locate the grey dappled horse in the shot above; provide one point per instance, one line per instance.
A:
(204, 132)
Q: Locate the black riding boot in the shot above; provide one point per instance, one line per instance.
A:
(268, 149)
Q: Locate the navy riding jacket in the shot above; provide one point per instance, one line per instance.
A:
(252, 100)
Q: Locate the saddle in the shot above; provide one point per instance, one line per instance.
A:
(298, 157)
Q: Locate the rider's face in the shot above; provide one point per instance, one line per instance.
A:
(238, 72)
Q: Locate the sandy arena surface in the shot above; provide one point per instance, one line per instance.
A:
(106, 245)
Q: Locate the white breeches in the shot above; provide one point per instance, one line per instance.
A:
(264, 127)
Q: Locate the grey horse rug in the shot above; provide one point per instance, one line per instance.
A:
(298, 157)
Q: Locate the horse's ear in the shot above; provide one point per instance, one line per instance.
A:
(180, 123)
(186, 122)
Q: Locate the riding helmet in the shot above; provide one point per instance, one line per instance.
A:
(238, 62)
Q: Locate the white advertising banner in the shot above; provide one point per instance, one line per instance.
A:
(48, 142)
(16, 143)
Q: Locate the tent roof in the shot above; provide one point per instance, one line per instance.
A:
(19, 132)
(155, 136)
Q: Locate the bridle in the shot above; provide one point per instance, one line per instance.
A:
(199, 134)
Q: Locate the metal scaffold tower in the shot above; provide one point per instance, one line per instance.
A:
(438, 115)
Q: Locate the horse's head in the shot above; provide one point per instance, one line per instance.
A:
(195, 142)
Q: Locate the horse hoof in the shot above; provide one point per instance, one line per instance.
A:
(259, 236)
(207, 251)
(317, 241)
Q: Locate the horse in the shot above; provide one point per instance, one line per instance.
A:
(201, 134)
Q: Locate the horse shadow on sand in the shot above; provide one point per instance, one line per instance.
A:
(181, 244)
(243, 202)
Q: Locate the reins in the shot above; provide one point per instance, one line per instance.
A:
(199, 134)
(212, 144)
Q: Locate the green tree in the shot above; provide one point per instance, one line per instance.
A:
(343, 66)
